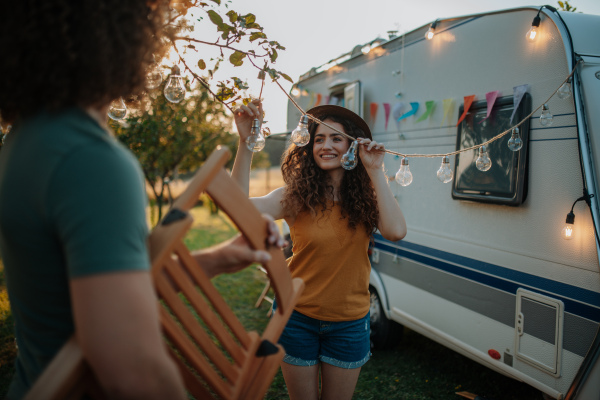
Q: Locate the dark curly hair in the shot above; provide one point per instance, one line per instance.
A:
(308, 187)
(61, 53)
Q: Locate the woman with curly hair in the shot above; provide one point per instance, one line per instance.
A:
(332, 213)
(73, 227)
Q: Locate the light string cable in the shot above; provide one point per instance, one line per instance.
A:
(498, 136)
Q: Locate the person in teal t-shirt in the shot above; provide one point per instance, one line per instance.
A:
(72, 200)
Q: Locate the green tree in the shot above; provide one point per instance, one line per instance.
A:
(565, 6)
(168, 138)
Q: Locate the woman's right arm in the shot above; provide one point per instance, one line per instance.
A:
(271, 203)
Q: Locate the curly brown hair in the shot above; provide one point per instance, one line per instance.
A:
(62, 53)
(308, 187)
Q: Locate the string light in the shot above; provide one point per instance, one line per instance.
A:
(296, 92)
(175, 87)
(153, 77)
(483, 162)
(350, 160)
(300, 135)
(444, 173)
(564, 91)
(404, 177)
(117, 110)
(567, 232)
(533, 31)
(515, 143)
(256, 141)
(546, 117)
(431, 31)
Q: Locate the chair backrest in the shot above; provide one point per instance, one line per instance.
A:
(217, 357)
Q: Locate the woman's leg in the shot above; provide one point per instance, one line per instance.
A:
(302, 382)
(337, 383)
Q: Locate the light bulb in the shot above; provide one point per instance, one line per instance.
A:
(532, 33)
(515, 143)
(483, 162)
(256, 141)
(153, 77)
(117, 109)
(445, 174)
(296, 92)
(300, 135)
(546, 118)
(564, 91)
(404, 176)
(175, 88)
(430, 33)
(350, 160)
(366, 49)
(567, 230)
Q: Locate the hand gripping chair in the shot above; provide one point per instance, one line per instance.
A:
(215, 355)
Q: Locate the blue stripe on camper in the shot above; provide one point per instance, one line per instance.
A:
(505, 279)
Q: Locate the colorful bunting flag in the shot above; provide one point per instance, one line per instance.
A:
(414, 108)
(374, 107)
(397, 113)
(429, 107)
(518, 93)
(319, 98)
(490, 97)
(387, 108)
(448, 105)
(468, 101)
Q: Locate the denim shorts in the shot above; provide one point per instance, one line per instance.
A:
(308, 341)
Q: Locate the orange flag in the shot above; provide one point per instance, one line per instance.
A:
(467, 105)
(319, 98)
(374, 107)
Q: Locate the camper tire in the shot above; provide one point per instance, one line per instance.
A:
(384, 332)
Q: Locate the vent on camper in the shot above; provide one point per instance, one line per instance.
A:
(506, 181)
(539, 331)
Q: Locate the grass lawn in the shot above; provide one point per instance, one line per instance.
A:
(416, 368)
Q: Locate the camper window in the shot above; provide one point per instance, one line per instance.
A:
(506, 181)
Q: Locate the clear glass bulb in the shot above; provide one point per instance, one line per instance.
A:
(564, 91)
(532, 33)
(445, 174)
(515, 143)
(175, 88)
(404, 176)
(117, 109)
(153, 77)
(300, 135)
(483, 162)
(350, 160)
(546, 118)
(256, 141)
(567, 232)
(430, 33)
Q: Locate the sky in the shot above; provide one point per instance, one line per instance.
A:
(317, 31)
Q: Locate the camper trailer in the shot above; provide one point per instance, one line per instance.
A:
(498, 265)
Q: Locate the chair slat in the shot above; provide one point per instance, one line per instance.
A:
(197, 332)
(191, 382)
(180, 278)
(212, 293)
(192, 357)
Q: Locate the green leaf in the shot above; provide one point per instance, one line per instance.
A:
(201, 64)
(257, 35)
(273, 55)
(215, 18)
(250, 19)
(237, 58)
(561, 4)
(273, 74)
(217, 1)
(286, 77)
(233, 16)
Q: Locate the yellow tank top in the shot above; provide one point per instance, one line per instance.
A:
(332, 260)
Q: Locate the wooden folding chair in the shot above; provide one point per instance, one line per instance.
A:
(216, 356)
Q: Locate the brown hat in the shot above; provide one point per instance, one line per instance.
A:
(342, 112)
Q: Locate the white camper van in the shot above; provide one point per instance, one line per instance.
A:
(485, 268)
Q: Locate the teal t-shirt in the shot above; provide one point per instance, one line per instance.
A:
(72, 204)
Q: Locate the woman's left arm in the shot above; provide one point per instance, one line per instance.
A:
(391, 222)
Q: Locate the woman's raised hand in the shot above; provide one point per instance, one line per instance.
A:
(371, 153)
(244, 115)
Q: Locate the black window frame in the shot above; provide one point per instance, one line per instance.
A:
(511, 173)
